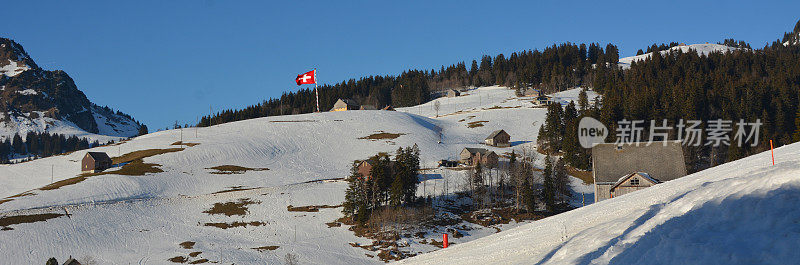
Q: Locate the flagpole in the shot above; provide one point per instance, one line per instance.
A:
(315, 88)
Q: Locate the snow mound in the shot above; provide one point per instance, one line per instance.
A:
(742, 212)
(701, 49)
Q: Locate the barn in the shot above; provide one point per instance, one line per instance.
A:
(345, 104)
(499, 138)
(614, 166)
(632, 182)
(532, 93)
(472, 156)
(451, 93)
(94, 162)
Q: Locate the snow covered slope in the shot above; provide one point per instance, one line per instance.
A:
(742, 212)
(304, 155)
(702, 49)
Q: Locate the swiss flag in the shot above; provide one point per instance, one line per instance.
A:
(307, 78)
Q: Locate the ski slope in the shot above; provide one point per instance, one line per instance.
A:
(701, 49)
(306, 156)
(742, 212)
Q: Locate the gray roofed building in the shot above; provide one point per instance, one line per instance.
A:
(94, 162)
(498, 138)
(470, 155)
(662, 161)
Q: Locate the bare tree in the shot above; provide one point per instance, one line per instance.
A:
(436, 106)
(291, 259)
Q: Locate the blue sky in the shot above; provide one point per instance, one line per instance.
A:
(163, 61)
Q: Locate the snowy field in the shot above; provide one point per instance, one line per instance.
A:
(306, 155)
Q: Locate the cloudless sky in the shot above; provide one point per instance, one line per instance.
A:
(167, 61)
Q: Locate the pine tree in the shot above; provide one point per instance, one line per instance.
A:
(356, 200)
(583, 101)
(796, 135)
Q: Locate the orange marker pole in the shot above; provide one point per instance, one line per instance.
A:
(772, 151)
(444, 241)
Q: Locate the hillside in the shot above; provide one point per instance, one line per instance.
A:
(742, 212)
(701, 49)
(262, 166)
(38, 100)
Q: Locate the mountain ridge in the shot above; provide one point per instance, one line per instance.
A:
(39, 100)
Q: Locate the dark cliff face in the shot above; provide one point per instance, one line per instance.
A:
(36, 89)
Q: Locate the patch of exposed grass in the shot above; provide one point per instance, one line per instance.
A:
(232, 169)
(24, 219)
(142, 154)
(382, 136)
(179, 259)
(62, 183)
(194, 254)
(586, 176)
(235, 224)
(186, 144)
(199, 261)
(334, 224)
(27, 193)
(231, 208)
(310, 208)
(5, 201)
(187, 244)
(234, 188)
(476, 124)
(136, 168)
(265, 248)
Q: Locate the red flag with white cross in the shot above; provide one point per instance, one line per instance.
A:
(307, 78)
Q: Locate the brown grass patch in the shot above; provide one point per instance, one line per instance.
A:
(382, 136)
(199, 261)
(231, 208)
(187, 244)
(334, 224)
(233, 189)
(24, 219)
(476, 124)
(586, 176)
(235, 224)
(62, 183)
(142, 154)
(5, 201)
(186, 144)
(27, 193)
(136, 168)
(310, 208)
(231, 169)
(265, 248)
(179, 259)
(194, 254)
